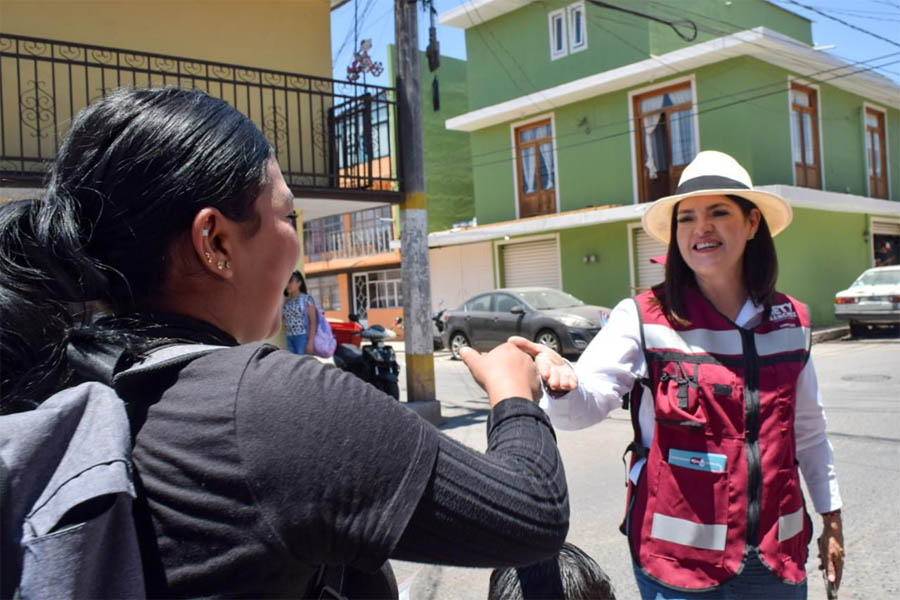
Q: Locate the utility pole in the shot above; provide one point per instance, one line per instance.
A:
(414, 217)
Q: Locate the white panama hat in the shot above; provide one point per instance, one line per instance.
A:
(715, 173)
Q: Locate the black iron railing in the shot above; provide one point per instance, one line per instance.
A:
(330, 136)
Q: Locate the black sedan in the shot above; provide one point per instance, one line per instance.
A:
(547, 316)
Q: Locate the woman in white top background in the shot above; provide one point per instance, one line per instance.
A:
(724, 400)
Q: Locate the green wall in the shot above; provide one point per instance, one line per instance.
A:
(448, 154)
(492, 174)
(743, 110)
(606, 281)
(821, 253)
(715, 18)
(513, 50)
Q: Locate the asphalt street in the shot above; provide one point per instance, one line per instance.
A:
(860, 385)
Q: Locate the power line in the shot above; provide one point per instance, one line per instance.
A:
(351, 32)
(778, 85)
(672, 24)
(500, 63)
(842, 22)
(736, 27)
(692, 113)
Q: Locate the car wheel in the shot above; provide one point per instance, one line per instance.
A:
(549, 339)
(458, 341)
(858, 329)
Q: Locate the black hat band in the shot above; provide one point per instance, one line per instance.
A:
(709, 182)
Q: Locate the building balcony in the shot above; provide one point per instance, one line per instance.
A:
(328, 246)
(333, 139)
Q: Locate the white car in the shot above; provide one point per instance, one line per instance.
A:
(872, 300)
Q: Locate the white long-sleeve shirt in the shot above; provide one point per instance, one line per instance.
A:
(614, 360)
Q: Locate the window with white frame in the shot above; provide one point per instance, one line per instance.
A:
(577, 28)
(558, 39)
(326, 291)
(384, 288)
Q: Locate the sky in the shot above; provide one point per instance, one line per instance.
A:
(881, 17)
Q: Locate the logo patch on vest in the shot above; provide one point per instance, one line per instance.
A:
(700, 461)
(781, 312)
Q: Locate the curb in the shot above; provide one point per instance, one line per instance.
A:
(831, 333)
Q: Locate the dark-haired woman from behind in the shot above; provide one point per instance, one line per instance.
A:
(715, 366)
(168, 207)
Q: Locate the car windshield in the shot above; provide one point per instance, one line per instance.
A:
(891, 277)
(549, 299)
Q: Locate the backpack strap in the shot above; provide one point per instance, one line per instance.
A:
(632, 400)
(160, 362)
(328, 584)
(94, 360)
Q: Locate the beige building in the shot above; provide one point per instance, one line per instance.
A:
(270, 59)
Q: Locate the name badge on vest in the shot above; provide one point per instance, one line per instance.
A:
(700, 461)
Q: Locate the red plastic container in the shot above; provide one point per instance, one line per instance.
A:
(346, 332)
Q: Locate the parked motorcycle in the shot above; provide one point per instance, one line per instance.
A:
(375, 363)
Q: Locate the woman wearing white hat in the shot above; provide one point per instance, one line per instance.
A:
(714, 366)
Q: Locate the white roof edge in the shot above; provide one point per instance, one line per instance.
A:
(760, 42)
(801, 197)
(796, 196)
(541, 225)
(476, 12)
(485, 10)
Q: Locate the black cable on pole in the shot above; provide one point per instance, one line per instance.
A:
(673, 24)
(841, 21)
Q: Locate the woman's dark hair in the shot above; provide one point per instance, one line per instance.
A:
(760, 266)
(298, 276)
(569, 574)
(129, 178)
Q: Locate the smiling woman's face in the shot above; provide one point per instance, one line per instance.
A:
(712, 233)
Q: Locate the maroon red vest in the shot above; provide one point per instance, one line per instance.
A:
(721, 475)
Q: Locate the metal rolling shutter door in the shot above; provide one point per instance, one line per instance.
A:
(885, 227)
(648, 273)
(532, 264)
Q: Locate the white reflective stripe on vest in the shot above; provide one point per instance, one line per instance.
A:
(688, 533)
(693, 341)
(790, 525)
(789, 339)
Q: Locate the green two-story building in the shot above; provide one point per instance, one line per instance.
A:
(580, 115)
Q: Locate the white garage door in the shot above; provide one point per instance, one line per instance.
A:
(647, 273)
(460, 272)
(532, 264)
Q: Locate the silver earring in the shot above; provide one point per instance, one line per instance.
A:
(208, 257)
(227, 265)
(221, 264)
(205, 232)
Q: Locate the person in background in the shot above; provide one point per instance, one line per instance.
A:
(299, 315)
(254, 467)
(715, 366)
(570, 575)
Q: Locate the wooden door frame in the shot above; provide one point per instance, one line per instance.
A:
(636, 166)
(515, 156)
(886, 164)
(817, 128)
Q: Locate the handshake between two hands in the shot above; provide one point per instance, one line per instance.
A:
(516, 368)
